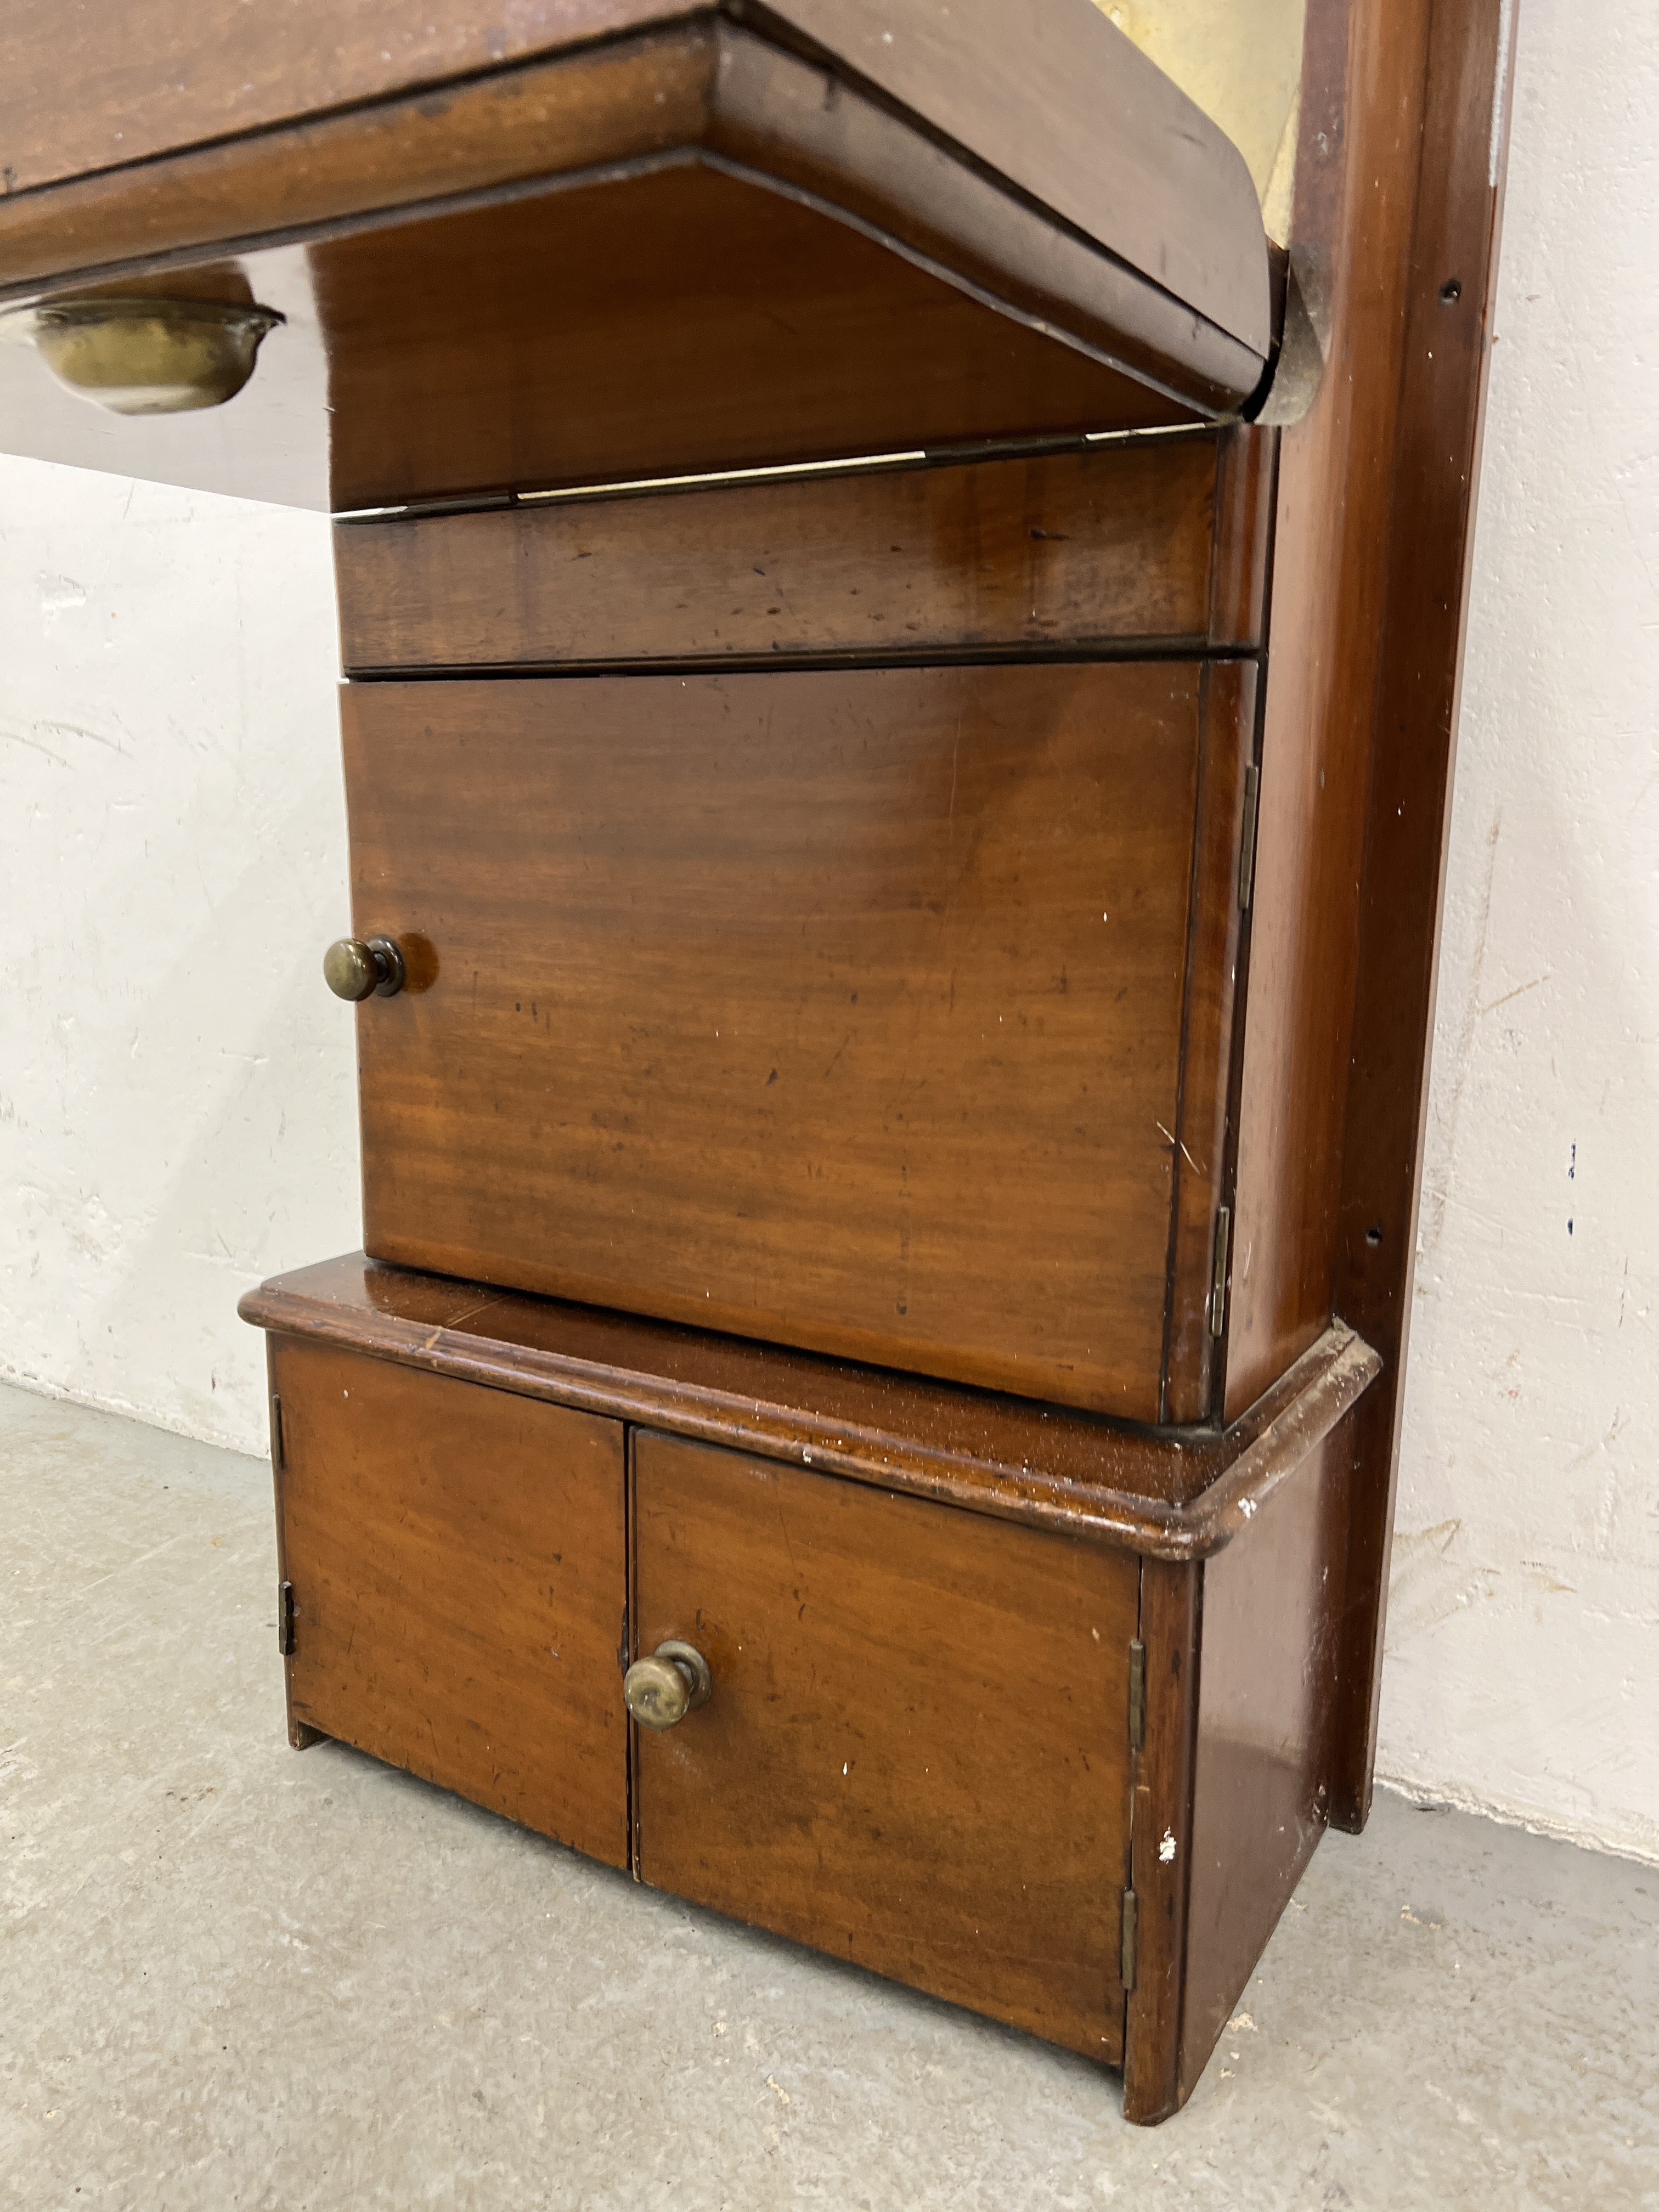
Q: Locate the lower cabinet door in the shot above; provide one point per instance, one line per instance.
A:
(915, 1752)
(456, 1557)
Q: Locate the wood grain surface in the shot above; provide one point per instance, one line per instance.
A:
(842, 1009)
(916, 1754)
(460, 1574)
(1101, 547)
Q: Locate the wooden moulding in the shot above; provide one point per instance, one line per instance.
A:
(1169, 1495)
(705, 90)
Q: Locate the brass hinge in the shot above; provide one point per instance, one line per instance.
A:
(285, 1618)
(1131, 1918)
(278, 1454)
(1247, 840)
(1136, 1695)
(1224, 1222)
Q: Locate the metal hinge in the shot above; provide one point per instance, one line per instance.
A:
(278, 1453)
(1247, 840)
(285, 1618)
(1136, 1695)
(1131, 1920)
(1223, 1223)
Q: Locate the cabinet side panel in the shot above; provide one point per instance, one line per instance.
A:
(1269, 1648)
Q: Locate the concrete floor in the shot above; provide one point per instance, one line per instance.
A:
(237, 1976)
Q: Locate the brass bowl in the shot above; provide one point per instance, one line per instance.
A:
(149, 356)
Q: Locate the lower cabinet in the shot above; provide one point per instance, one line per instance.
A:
(915, 1750)
(915, 1753)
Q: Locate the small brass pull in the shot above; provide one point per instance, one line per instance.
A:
(361, 967)
(661, 1691)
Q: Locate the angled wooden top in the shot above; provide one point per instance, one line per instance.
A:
(1054, 99)
(903, 192)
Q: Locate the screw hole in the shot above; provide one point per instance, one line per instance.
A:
(1451, 292)
(1373, 1238)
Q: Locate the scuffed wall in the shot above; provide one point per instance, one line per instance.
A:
(1523, 1636)
(177, 1103)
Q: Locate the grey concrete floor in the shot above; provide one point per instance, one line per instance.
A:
(234, 1975)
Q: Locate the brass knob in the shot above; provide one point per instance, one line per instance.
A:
(661, 1691)
(359, 967)
(150, 357)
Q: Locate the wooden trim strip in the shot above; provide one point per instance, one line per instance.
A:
(1158, 1492)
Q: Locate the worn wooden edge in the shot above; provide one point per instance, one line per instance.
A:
(1192, 1343)
(1041, 115)
(850, 155)
(704, 91)
(1235, 1472)
(1171, 1597)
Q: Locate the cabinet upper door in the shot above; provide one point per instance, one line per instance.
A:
(843, 1009)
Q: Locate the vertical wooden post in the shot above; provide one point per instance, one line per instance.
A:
(1453, 274)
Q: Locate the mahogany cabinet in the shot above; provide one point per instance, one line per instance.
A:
(899, 660)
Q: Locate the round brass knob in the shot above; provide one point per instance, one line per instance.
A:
(359, 967)
(661, 1691)
(150, 357)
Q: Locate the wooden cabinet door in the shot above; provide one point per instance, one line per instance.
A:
(456, 1557)
(842, 1009)
(916, 1751)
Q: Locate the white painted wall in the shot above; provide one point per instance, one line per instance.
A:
(177, 1115)
(1523, 1638)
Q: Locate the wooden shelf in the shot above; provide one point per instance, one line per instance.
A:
(1170, 1494)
